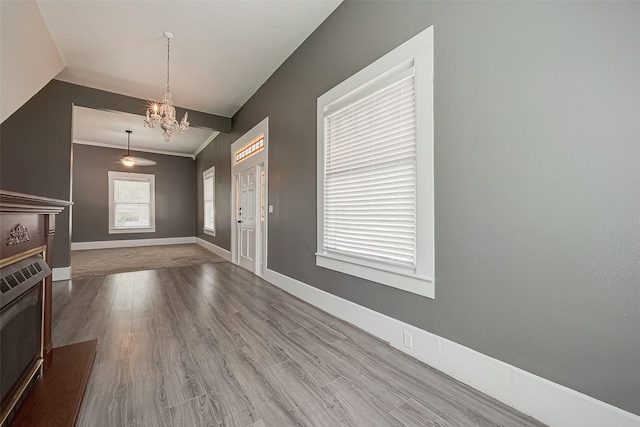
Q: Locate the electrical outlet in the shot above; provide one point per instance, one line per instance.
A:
(407, 340)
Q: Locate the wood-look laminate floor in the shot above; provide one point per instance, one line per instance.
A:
(213, 345)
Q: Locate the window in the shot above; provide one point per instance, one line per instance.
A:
(251, 148)
(209, 197)
(375, 171)
(131, 203)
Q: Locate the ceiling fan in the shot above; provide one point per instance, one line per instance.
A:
(128, 160)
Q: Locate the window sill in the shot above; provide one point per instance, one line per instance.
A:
(413, 283)
(131, 230)
(209, 231)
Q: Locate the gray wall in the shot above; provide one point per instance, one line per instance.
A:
(35, 145)
(218, 154)
(174, 185)
(537, 148)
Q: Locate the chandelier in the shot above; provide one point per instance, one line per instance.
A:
(164, 113)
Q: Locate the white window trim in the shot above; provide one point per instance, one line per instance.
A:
(211, 172)
(152, 214)
(418, 280)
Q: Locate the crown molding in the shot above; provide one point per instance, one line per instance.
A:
(141, 150)
(204, 144)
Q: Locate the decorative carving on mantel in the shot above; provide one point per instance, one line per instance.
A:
(18, 235)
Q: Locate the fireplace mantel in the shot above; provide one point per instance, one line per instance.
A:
(11, 201)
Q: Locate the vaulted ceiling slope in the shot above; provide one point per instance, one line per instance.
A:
(221, 54)
(30, 58)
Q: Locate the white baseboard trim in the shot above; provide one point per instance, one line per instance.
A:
(61, 273)
(107, 244)
(214, 248)
(544, 400)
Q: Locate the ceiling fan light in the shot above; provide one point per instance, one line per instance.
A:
(128, 161)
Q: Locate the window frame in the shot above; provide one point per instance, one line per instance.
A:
(209, 173)
(419, 279)
(130, 176)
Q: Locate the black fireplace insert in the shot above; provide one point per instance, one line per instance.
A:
(21, 299)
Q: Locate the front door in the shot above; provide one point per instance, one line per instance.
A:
(247, 219)
(249, 161)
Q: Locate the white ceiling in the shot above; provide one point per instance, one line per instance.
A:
(107, 129)
(222, 52)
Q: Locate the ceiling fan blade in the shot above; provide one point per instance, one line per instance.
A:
(144, 162)
(130, 161)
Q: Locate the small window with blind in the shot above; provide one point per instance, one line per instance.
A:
(375, 171)
(131, 203)
(209, 204)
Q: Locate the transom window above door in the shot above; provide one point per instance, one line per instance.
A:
(251, 148)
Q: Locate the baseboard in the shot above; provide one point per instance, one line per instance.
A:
(107, 244)
(61, 273)
(544, 400)
(214, 248)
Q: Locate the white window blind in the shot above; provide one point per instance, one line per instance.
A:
(370, 172)
(375, 143)
(209, 200)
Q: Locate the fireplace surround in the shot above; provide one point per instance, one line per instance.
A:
(27, 228)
